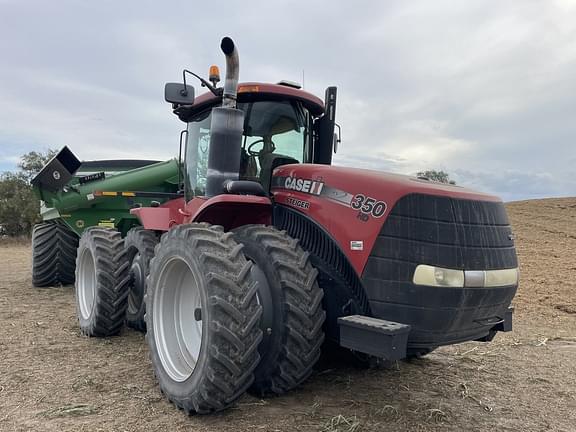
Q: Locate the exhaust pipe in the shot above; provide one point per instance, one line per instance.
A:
(232, 72)
(226, 129)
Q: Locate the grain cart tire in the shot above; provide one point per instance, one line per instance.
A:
(202, 318)
(102, 278)
(140, 244)
(53, 254)
(293, 315)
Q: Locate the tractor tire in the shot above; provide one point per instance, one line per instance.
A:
(140, 244)
(336, 357)
(53, 254)
(293, 315)
(102, 278)
(418, 353)
(203, 318)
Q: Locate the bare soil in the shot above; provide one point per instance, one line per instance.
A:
(54, 379)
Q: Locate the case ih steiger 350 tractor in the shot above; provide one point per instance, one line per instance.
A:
(271, 252)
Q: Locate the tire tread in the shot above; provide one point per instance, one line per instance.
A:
(54, 248)
(112, 279)
(304, 316)
(231, 297)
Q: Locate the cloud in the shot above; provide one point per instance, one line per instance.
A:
(512, 185)
(480, 89)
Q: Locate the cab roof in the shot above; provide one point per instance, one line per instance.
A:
(251, 92)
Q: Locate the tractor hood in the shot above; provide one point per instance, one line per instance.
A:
(354, 181)
(353, 204)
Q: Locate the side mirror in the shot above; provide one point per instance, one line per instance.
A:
(335, 143)
(337, 138)
(178, 93)
(325, 142)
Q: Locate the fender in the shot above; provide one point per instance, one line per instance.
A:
(230, 211)
(344, 292)
(161, 218)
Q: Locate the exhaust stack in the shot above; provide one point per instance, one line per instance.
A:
(232, 72)
(226, 129)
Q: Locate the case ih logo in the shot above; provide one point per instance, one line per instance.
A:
(303, 185)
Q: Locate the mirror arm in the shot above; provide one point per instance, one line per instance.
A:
(215, 91)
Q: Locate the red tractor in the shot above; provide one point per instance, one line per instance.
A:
(271, 252)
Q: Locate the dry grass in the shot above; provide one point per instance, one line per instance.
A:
(69, 410)
(6, 241)
(54, 379)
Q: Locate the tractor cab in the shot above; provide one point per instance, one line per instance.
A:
(275, 133)
(282, 125)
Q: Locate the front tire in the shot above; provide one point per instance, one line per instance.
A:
(418, 353)
(202, 317)
(293, 337)
(102, 277)
(53, 254)
(139, 244)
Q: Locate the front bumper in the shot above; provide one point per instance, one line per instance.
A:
(444, 316)
(391, 340)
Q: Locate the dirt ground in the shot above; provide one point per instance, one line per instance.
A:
(54, 379)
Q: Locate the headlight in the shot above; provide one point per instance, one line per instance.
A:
(496, 278)
(441, 277)
(436, 276)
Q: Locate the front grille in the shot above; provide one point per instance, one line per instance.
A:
(443, 232)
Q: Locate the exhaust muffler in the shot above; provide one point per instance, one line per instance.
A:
(226, 129)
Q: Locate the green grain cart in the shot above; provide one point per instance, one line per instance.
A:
(76, 196)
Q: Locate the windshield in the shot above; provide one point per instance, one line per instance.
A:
(273, 131)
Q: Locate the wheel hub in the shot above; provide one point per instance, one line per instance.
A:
(177, 332)
(137, 277)
(86, 284)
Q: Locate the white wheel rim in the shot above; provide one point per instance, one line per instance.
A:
(177, 333)
(135, 298)
(86, 284)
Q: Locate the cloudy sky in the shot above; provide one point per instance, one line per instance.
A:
(485, 90)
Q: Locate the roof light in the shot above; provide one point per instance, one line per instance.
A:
(248, 89)
(292, 84)
(214, 75)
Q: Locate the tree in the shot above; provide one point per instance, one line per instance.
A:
(32, 162)
(436, 175)
(19, 207)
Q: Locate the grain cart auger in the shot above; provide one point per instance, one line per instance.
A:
(273, 251)
(94, 195)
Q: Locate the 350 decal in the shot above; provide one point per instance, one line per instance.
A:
(368, 205)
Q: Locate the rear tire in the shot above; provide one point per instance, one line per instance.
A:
(202, 317)
(54, 248)
(293, 337)
(102, 277)
(139, 244)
